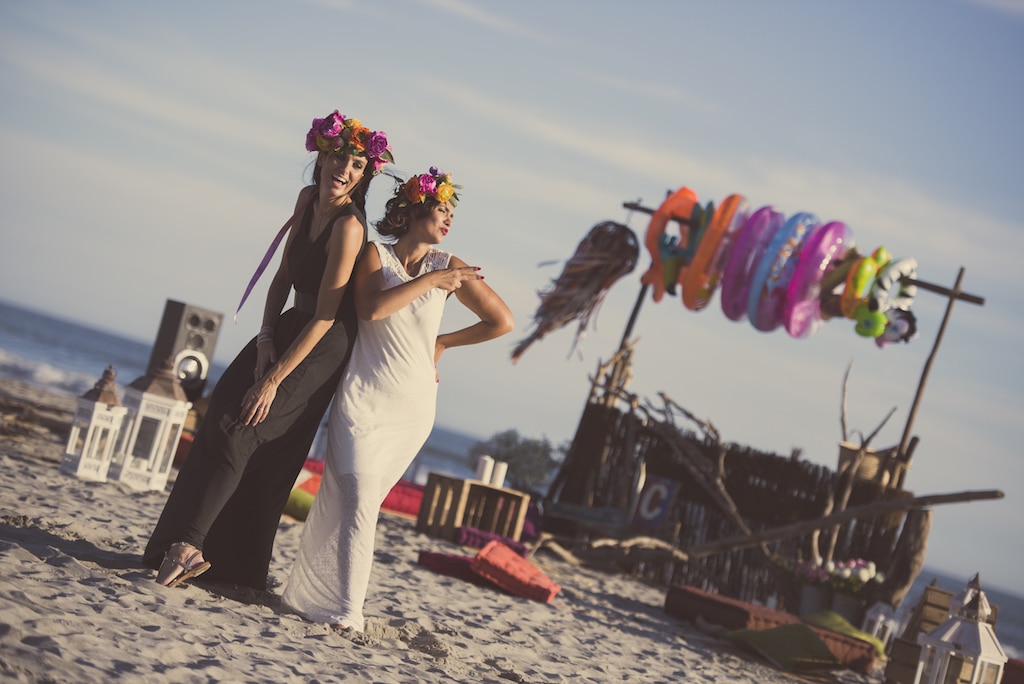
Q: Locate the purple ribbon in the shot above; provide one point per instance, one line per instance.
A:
(263, 264)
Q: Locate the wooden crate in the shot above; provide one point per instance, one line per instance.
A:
(443, 505)
(904, 662)
(496, 509)
(451, 502)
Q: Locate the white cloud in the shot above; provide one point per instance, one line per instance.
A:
(649, 90)
(472, 12)
(1014, 7)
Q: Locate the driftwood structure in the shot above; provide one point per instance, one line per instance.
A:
(725, 491)
(734, 511)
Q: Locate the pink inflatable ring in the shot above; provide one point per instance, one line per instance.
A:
(802, 311)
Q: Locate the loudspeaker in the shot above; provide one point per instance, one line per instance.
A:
(187, 336)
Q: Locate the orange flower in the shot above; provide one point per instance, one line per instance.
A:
(412, 190)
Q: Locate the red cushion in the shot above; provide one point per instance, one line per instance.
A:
(405, 498)
(688, 603)
(513, 573)
(453, 566)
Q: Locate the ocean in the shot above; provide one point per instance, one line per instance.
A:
(67, 357)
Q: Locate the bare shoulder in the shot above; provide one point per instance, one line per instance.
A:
(306, 194)
(347, 227)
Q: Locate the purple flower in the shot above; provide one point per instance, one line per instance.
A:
(376, 145)
(332, 125)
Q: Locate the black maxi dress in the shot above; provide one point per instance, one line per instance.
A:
(232, 487)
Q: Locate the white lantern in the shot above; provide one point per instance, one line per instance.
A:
(963, 649)
(157, 409)
(880, 622)
(957, 603)
(94, 430)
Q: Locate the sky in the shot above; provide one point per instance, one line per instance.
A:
(152, 150)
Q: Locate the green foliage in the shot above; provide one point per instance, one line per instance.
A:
(531, 462)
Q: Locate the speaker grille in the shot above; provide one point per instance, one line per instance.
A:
(187, 336)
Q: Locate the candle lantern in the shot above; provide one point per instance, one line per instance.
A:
(963, 649)
(94, 430)
(880, 622)
(157, 409)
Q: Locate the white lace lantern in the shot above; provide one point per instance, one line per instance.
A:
(157, 409)
(94, 430)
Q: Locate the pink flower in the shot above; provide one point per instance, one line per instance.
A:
(328, 128)
(427, 184)
(377, 145)
(331, 126)
(311, 145)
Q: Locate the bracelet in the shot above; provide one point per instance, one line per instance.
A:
(266, 334)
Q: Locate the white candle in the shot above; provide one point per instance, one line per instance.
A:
(498, 475)
(484, 468)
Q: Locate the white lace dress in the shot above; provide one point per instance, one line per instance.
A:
(381, 416)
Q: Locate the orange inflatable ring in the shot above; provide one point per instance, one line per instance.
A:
(705, 271)
(677, 205)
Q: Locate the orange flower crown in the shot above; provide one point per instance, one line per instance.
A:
(334, 133)
(435, 183)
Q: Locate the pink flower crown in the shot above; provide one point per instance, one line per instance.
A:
(335, 133)
(435, 183)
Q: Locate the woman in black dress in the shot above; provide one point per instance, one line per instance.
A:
(222, 514)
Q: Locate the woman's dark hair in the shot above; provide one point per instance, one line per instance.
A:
(399, 212)
(359, 194)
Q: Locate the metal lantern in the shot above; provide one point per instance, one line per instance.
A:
(94, 430)
(157, 409)
(963, 649)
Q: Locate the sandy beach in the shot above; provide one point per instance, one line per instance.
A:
(78, 606)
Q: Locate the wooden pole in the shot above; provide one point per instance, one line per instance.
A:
(869, 510)
(953, 294)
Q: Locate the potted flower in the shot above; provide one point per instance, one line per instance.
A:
(826, 585)
(850, 580)
(811, 584)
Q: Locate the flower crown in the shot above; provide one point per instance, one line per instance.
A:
(435, 183)
(336, 133)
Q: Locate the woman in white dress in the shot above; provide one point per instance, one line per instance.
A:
(384, 408)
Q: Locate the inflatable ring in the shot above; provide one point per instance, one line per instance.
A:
(744, 254)
(702, 277)
(870, 322)
(768, 287)
(678, 257)
(802, 312)
(677, 205)
(889, 292)
(860, 280)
